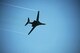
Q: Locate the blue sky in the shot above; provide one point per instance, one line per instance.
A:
(59, 35)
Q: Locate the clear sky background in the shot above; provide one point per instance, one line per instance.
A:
(59, 35)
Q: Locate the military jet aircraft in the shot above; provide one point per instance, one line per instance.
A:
(34, 23)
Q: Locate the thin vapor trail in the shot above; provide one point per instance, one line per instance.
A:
(12, 31)
(19, 7)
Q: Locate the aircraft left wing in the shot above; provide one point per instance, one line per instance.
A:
(31, 30)
(37, 16)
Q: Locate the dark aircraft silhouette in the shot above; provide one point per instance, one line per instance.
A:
(34, 23)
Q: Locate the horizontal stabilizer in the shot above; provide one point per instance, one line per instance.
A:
(27, 22)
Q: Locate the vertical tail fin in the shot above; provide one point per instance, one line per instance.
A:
(27, 22)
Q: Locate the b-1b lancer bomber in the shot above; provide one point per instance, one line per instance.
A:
(34, 23)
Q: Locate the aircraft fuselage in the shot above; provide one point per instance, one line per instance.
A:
(35, 23)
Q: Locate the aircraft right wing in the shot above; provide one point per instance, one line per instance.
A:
(37, 16)
(31, 30)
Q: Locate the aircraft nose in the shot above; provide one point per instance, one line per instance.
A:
(43, 24)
